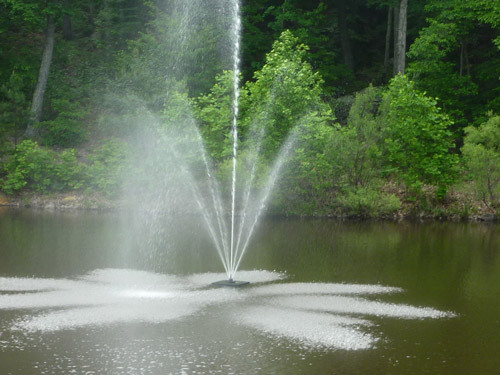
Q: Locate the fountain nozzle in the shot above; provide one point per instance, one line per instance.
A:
(230, 282)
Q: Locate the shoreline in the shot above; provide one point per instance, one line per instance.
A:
(96, 202)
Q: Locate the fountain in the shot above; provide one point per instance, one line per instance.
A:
(186, 172)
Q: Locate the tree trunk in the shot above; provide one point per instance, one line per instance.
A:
(345, 43)
(395, 13)
(400, 62)
(41, 85)
(388, 40)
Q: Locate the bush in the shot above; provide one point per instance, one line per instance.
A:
(481, 153)
(31, 166)
(367, 202)
(70, 173)
(35, 168)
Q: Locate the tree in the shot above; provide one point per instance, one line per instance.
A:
(33, 12)
(284, 90)
(435, 73)
(455, 60)
(418, 142)
(390, 13)
(285, 99)
(215, 111)
(486, 11)
(43, 76)
(400, 43)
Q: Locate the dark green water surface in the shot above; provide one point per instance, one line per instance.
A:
(446, 266)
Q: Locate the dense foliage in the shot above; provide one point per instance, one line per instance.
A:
(314, 73)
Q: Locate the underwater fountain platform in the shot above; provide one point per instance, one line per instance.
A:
(230, 283)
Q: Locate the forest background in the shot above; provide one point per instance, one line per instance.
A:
(398, 101)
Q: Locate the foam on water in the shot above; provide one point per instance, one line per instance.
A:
(314, 314)
(314, 329)
(322, 288)
(349, 305)
(18, 284)
(131, 277)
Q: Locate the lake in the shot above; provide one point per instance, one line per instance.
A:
(106, 293)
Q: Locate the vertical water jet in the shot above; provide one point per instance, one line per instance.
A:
(236, 95)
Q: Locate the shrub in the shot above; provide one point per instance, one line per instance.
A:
(368, 202)
(35, 168)
(70, 173)
(481, 153)
(31, 166)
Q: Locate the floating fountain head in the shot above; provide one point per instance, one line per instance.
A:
(230, 283)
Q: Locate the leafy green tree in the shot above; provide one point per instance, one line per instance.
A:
(36, 16)
(486, 11)
(481, 153)
(285, 100)
(435, 73)
(454, 59)
(418, 142)
(285, 90)
(34, 12)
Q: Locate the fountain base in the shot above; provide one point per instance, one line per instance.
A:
(230, 283)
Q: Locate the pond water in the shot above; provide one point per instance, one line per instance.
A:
(98, 293)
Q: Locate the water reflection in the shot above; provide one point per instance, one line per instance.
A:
(322, 314)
